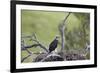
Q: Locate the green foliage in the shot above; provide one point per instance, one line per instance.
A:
(78, 37)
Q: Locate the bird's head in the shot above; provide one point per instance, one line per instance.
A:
(57, 37)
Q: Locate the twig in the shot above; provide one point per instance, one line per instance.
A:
(34, 39)
(63, 23)
(29, 46)
(30, 53)
(25, 58)
(40, 45)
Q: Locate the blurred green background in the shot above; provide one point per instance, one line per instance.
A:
(45, 25)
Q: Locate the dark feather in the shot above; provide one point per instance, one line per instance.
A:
(53, 45)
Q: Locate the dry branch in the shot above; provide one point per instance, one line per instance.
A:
(34, 39)
(25, 58)
(62, 29)
(37, 44)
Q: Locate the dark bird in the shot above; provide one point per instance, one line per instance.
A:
(53, 44)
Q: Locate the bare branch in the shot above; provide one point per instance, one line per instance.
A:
(25, 58)
(30, 46)
(34, 39)
(40, 45)
(63, 23)
(62, 29)
(30, 53)
(24, 47)
(34, 36)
